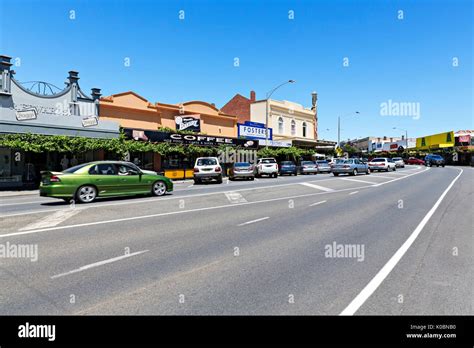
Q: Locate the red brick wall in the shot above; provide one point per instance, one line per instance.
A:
(238, 106)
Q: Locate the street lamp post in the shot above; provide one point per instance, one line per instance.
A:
(269, 94)
(339, 126)
(406, 136)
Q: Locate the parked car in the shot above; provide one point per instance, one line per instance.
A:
(323, 166)
(382, 163)
(399, 162)
(287, 167)
(266, 166)
(434, 160)
(335, 161)
(308, 167)
(207, 169)
(86, 182)
(243, 170)
(351, 166)
(414, 160)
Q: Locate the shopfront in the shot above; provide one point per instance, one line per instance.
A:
(194, 123)
(45, 111)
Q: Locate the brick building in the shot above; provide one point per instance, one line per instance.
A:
(239, 106)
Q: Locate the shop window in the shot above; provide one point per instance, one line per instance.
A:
(304, 129)
(280, 125)
(293, 127)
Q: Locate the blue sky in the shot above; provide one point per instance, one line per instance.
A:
(173, 60)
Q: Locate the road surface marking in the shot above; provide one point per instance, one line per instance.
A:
(21, 203)
(353, 193)
(403, 177)
(100, 263)
(326, 189)
(381, 176)
(358, 180)
(252, 221)
(173, 213)
(370, 288)
(235, 197)
(317, 203)
(52, 220)
(191, 185)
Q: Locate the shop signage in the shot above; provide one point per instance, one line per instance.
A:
(440, 140)
(276, 143)
(188, 123)
(90, 121)
(464, 138)
(191, 139)
(253, 130)
(26, 114)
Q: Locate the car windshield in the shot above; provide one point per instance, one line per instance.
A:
(378, 160)
(287, 163)
(340, 160)
(349, 161)
(75, 168)
(206, 162)
(307, 163)
(397, 158)
(322, 162)
(436, 157)
(268, 160)
(241, 164)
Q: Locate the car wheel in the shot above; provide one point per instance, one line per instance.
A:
(394, 168)
(158, 188)
(442, 165)
(354, 172)
(86, 194)
(335, 174)
(219, 180)
(386, 170)
(252, 178)
(197, 181)
(368, 171)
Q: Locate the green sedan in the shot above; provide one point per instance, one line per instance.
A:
(88, 181)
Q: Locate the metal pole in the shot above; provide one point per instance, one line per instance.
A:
(339, 131)
(266, 123)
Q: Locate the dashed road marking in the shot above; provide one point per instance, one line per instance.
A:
(358, 180)
(322, 188)
(253, 221)
(317, 203)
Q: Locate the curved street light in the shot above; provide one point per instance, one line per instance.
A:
(269, 94)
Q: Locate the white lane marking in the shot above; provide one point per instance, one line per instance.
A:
(30, 202)
(403, 177)
(51, 220)
(370, 288)
(235, 197)
(191, 185)
(173, 213)
(358, 180)
(151, 200)
(353, 193)
(97, 264)
(317, 203)
(326, 189)
(253, 221)
(381, 176)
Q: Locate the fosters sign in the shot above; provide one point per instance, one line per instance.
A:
(435, 141)
(253, 130)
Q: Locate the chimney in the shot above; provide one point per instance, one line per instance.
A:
(95, 93)
(252, 96)
(5, 62)
(73, 76)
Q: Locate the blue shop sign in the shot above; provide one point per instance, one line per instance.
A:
(253, 130)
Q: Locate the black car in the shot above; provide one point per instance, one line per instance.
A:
(434, 160)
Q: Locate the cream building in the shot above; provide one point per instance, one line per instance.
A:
(289, 121)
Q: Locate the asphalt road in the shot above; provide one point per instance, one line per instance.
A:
(385, 243)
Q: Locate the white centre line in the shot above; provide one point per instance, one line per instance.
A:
(252, 221)
(370, 288)
(317, 203)
(100, 263)
(358, 180)
(353, 193)
(322, 188)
